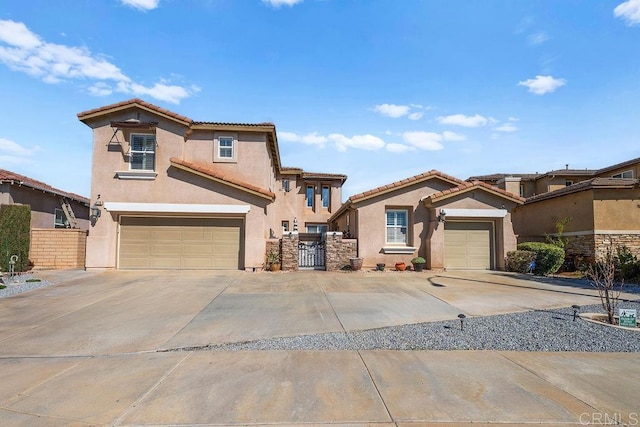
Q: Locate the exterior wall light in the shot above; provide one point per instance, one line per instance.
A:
(95, 211)
(442, 216)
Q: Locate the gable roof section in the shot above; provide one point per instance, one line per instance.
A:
(472, 186)
(14, 178)
(394, 186)
(268, 128)
(135, 102)
(214, 175)
(590, 184)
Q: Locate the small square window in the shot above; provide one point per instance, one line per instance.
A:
(142, 155)
(225, 147)
(285, 226)
(60, 220)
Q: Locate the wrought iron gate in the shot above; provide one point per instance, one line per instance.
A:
(311, 255)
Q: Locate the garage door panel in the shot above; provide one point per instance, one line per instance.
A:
(192, 243)
(468, 245)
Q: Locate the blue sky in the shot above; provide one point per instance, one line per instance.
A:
(379, 90)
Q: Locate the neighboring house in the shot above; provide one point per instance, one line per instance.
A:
(177, 193)
(602, 206)
(50, 207)
(449, 222)
(602, 211)
(529, 185)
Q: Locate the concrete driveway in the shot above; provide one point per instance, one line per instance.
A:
(92, 350)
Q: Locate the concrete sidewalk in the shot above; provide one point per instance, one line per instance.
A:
(324, 387)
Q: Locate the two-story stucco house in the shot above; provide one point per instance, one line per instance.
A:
(179, 193)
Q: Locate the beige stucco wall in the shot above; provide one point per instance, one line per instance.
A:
(172, 185)
(617, 209)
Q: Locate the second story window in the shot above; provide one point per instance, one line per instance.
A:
(286, 186)
(326, 196)
(143, 152)
(225, 147)
(309, 196)
(625, 175)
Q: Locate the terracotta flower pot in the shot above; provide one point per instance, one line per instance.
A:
(401, 266)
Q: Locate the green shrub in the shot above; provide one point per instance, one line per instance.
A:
(15, 222)
(549, 258)
(520, 261)
(627, 265)
(418, 260)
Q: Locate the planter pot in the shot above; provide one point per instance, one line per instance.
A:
(418, 267)
(355, 263)
(275, 266)
(380, 266)
(401, 266)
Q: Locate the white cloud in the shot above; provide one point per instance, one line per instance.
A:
(13, 153)
(629, 11)
(141, 4)
(424, 140)
(513, 119)
(415, 116)
(363, 142)
(17, 34)
(452, 136)
(538, 38)
(310, 138)
(392, 110)
(24, 51)
(398, 148)
(543, 84)
(462, 120)
(278, 3)
(507, 127)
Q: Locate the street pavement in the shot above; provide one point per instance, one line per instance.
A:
(118, 348)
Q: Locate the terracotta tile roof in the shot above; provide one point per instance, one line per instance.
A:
(133, 102)
(593, 183)
(468, 186)
(12, 177)
(216, 175)
(320, 175)
(264, 124)
(404, 183)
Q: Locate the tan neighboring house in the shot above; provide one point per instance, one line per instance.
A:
(50, 207)
(178, 193)
(451, 223)
(603, 206)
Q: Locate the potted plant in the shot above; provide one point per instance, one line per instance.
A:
(380, 266)
(400, 266)
(273, 260)
(355, 263)
(418, 263)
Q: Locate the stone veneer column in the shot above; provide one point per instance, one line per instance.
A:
(289, 248)
(333, 250)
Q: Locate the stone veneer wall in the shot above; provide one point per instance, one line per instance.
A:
(592, 245)
(57, 248)
(273, 245)
(338, 251)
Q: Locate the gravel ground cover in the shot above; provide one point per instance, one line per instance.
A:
(18, 284)
(540, 330)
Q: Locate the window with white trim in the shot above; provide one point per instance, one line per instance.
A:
(142, 155)
(625, 175)
(310, 195)
(286, 184)
(326, 196)
(225, 147)
(397, 220)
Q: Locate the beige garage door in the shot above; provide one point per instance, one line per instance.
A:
(467, 245)
(184, 243)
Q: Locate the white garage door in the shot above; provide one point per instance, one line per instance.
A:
(467, 245)
(180, 243)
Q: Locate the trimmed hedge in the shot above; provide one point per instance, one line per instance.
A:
(15, 224)
(520, 261)
(549, 258)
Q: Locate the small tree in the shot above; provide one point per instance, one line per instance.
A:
(602, 275)
(559, 240)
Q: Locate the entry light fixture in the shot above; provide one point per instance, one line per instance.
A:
(461, 317)
(576, 308)
(95, 211)
(442, 216)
